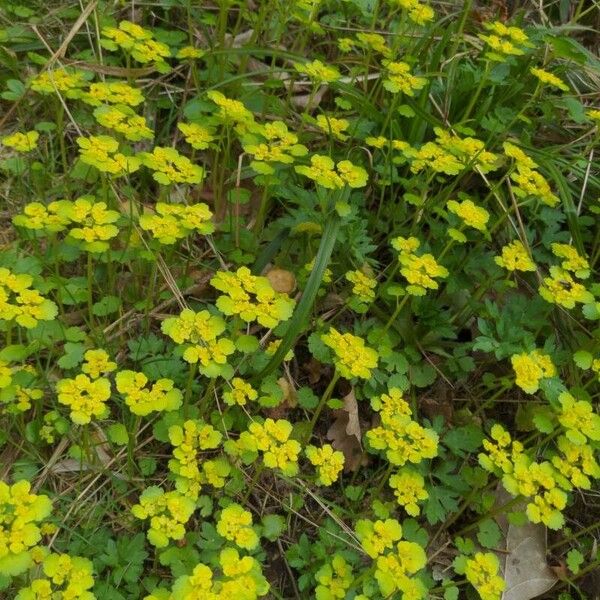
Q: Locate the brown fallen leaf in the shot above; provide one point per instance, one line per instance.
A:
(281, 280)
(345, 434)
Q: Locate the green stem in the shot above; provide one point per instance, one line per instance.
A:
(324, 398)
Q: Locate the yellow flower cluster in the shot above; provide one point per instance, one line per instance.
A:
(329, 463)
(402, 439)
(272, 143)
(101, 152)
(242, 579)
(352, 357)
(190, 52)
(124, 120)
(20, 515)
(333, 579)
(231, 112)
(577, 463)
(65, 81)
(235, 525)
(363, 286)
(318, 72)
(579, 419)
(173, 222)
(372, 41)
(251, 297)
(38, 216)
(417, 12)
(21, 142)
(481, 572)
(409, 489)
(549, 78)
(139, 42)
(332, 126)
(379, 536)
(200, 332)
(168, 513)
(85, 397)
(112, 92)
(502, 452)
(189, 439)
(515, 257)
(17, 388)
(393, 571)
(529, 182)
(572, 261)
(162, 396)
(399, 79)
(469, 213)
(240, 393)
(96, 363)
(504, 41)
(450, 154)
(197, 136)
(530, 368)
(21, 303)
(66, 577)
(322, 170)
(420, 270)
(560, 288)
(171, 167)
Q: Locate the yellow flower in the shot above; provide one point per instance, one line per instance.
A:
(471, 214)
(176, 221)
(197, 136)
(400, 79)
(322, 171)
(318, 72)
(572, 260)
(560, 288)
(190, 53)
(22, 142)
(38, 217)
(272, 439)
(97, 362)
(481, 572)
(502, 452)
(577, 463)
(530, 368)
(504, 41)
(163, 396)
(377, 142)
(235, 525)
(65, 81)
(421, 14)
(409, 489)
(393, 570)
(374, 41)
(333, 579)
(112, 92)
(125, 121)
(231, 111)
(420, 271)
(101, 151)
(549, 78)
(332, 126)
(136, 40)
(85, 397)
(515, 257)
(171, 167)
(240, 393)
(329, 463)
(363, 286)
(352, 357)
(579, 419)
(379, 536)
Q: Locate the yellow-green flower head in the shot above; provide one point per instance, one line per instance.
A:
(38, 216)
(112, 92)
(272, 439)
(65, 81)
(332, 126)
(333, 579)
(20, 515)
(546, 508)
(471, 214)
(406, 245)
(21, 303)
(377, 142)
(530, 368)
(579, 419)
(136, 40)
(391, 404)
(379, 536)
(85, 397)
(124, 120)
(421, 14)
(409, 489)
(577, 463)
(173, 222)
(215, 472)
(96, 363)
(322, 171)
(345, 44)
(171, 167)
(393, 571)
(329, 463)
(363, 286)
(101, 151)
(352, 357)
(532, 183)
(504, 41)
(21, 142)
(549, 78)
(189, 53)
(399, 78)
(520, 158)
(199, 333)
(560, 288)
(68, 577)
(93, 223)
(241, 392)
(162, 396)
(168, 513)
(231, 112)
(251, 297)
(481, 572)
(420, 271)
(502, 452)
(573, 262)
(197, 136)
(318, 72)
(515, 257)
(235, 525)
(374, 41)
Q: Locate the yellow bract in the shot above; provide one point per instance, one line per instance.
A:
(352, 357)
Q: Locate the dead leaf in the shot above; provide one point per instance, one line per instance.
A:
(302, 100)
(281, 280)
(345, 434)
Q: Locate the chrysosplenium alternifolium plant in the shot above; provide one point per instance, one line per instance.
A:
(314, 319)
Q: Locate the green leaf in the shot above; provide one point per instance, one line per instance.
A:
(73, 356)
(489, 534)
(117, 434)
(247, 344)
(583, 359)
(307, 399)
(451, 593)
(462, 440)
(273, 526)
(106, 306)
(422, 375)
(574, 560)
